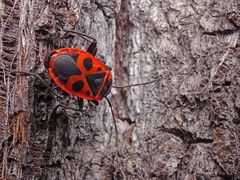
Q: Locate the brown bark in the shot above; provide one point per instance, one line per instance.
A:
(186, 126)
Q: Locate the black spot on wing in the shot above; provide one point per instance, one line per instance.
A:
(107, 88)
(77, 86)
(95, 82)
(74, 56)
(88, 63)
(64, 67)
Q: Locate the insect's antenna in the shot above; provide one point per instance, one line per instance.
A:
(139, 84)
(114, 120)
(83, 35)
(36, 75)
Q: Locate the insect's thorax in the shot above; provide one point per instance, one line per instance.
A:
(79, 73)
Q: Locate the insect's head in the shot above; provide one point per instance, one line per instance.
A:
(48, 58)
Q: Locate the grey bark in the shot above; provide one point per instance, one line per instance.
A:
(186, 126)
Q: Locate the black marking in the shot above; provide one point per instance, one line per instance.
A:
(73, 55)
(88, 63)
(77, 86)
(95, 82)
(107, 88)
(99, 69)
(64, 67)
(80, 103)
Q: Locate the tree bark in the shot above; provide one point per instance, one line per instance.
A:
(185, 126)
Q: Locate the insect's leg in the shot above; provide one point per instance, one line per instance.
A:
(92, 48)
(83, 35)
(96, 103)
(54, 110)
(65, 107)
(114, 120)
(139, 84)
(80, 103)
(36, 75)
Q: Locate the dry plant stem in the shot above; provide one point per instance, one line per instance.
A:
(219, 65)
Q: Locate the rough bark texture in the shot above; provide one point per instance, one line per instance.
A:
(186, 126)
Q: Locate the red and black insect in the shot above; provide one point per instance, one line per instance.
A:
(80, 73)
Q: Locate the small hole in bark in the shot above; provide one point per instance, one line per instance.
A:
(236, 121)
(48, 98)
(69, 158)
(217, 90)
(42, 32)
(227, 83)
